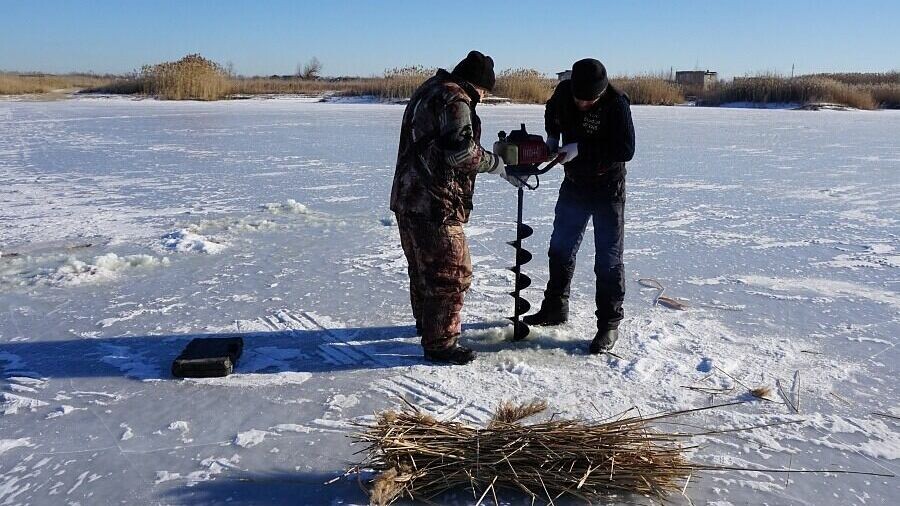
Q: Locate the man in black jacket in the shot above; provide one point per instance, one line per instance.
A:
(594, 121)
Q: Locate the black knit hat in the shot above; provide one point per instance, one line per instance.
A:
(478, 69)
(588, 79)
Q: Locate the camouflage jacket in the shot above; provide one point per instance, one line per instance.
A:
(440, 152)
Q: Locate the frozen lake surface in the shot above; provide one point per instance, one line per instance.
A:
(127, 227)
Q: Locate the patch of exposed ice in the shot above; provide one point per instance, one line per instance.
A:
(826, 287)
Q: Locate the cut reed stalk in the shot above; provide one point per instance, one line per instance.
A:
(419, 457)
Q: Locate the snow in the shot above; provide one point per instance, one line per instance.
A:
(291, 206)
(68, 271)
(185, 241)
(251, 438)
(129, 227)
(9, 444)
(10, 404)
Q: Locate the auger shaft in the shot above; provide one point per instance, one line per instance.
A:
(520, 330)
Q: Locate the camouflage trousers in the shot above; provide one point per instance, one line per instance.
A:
(440, 272)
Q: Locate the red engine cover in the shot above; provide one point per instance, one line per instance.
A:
(532, 148)
(532, 151)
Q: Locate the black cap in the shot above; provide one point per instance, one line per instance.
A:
(478, 69)
(588, 79)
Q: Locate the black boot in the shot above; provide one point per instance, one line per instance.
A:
(456, 354)
(552, 312)
(604, 341)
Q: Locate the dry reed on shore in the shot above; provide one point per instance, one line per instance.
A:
(20, 84)
(800, 90)
(649, 90)
(524, 85)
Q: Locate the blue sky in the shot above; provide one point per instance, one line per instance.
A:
(365, 37)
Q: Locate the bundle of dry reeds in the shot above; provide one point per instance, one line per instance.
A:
(419, 457)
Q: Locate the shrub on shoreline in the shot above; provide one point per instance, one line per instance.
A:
(799, 90)
(190, 78)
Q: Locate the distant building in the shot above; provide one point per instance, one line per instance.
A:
(566, 74)
(699, 79)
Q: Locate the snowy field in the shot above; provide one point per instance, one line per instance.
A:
(127, 227)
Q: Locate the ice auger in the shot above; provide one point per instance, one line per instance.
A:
(523, 153)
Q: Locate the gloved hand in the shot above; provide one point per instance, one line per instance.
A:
(569, 152)
(552, 144)
(513, 180)
(500, 170)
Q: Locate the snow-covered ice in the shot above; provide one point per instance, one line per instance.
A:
(128, 227)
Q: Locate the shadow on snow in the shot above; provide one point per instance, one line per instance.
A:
(150, 357)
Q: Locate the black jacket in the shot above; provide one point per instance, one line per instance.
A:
(605, 133)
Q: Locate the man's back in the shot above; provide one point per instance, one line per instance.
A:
(439, 152)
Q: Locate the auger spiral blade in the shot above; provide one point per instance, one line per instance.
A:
(523, 256)
(523, 231)
(522, 282)
(520, 331)
(522, 306)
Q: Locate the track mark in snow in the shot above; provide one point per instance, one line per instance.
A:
(434, 399)
(334, 348)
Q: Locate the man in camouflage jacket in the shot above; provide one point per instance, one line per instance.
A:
(438, 158)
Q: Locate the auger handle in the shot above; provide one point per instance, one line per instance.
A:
(523, 172)
(552, 163)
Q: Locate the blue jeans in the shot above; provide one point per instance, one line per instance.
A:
(605, 204)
